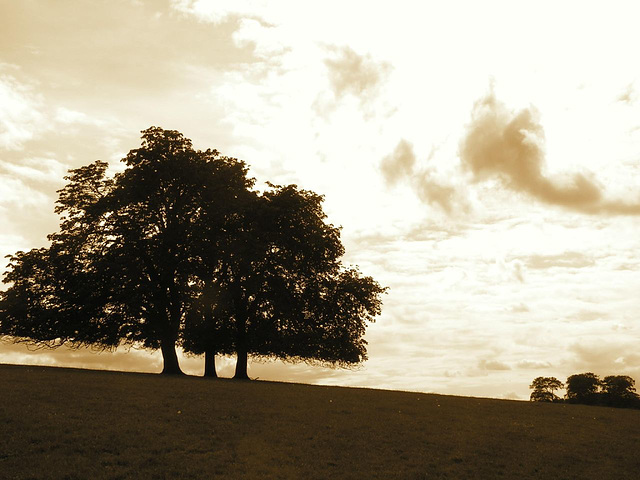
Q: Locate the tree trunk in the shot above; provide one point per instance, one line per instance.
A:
(210, 364)
(241, 347)
(170, 357)
(241, 364)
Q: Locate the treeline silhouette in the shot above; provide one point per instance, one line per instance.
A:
(180, 249)
(587, 388)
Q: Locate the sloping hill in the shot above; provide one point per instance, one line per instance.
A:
(81, 424)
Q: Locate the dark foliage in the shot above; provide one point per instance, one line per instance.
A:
(588, 388)
(279, 290)
(179, 249)
(619, 391)
(121, 267)
(583, 388)
(544, 388)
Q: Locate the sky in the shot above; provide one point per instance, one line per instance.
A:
(482, 158)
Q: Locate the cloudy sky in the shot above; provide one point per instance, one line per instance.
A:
(483, 159)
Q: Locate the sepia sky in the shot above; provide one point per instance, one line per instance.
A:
(483, 159)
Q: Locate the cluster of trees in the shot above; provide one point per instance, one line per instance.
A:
(181, 249)
(588, 388)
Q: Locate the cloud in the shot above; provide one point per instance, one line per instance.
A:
(563, 260)
(34, 171)
(401, 165)
(513, 270)
(266, 40)
(66, 117)
(358, 75)
(628, 96)
(20, 116)
(509, 146)
(492, 365)
(219, 11)
(135, 49)
(517, 270)
(588, 315)
(533, 364)
(433, 192)
(520, 308)
(611, 357)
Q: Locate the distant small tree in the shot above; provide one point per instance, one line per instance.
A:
(543, 388)
(620, 391)
(583, 388)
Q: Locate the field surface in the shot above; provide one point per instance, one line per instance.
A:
(60, 423)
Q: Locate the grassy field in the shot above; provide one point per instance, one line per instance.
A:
(82, 424)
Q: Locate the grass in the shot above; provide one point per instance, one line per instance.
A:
(60, 423)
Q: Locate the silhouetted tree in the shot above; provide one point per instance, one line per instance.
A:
(55, 293)
(128, 249)
(42, 307)
(587, 388)
(208, 327)
(544, 388)
(583, 388)
(179, 249)
(280, 290)
(620, 391)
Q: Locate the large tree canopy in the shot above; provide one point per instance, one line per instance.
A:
(280, 289)
(121, 268)
(180, 249)
(620, 391)
(583, 388)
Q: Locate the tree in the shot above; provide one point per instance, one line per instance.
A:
(583, 388)
(55, 293)
(280, 290)
(128, 249)
(37, 308)
(180, 250)
(544, 388)
(620, 391)
(208, 327)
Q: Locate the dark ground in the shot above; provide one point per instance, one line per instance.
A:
(60, 423)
